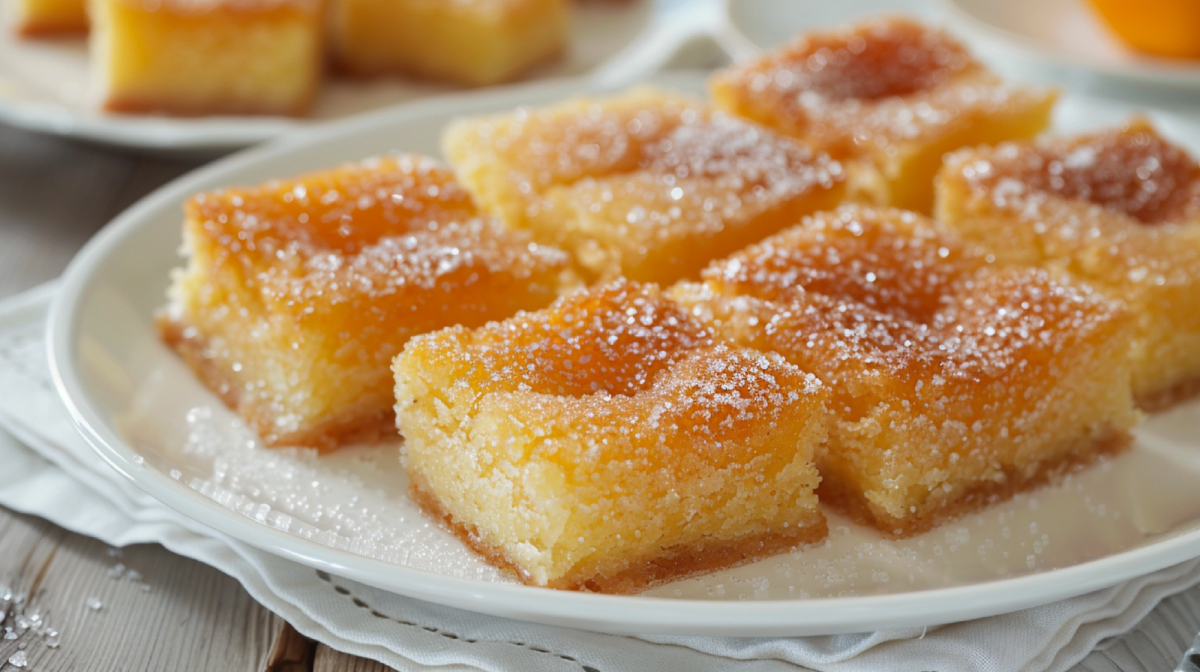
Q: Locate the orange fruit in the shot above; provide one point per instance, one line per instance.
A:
(1159, 27)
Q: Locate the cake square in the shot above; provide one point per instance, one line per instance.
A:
(206, 57)
(298, 293)
(648, 184)
(608, 442)
(952, 383)
(473, 42)
(887, 96)
(47, 17)
(1118, 208)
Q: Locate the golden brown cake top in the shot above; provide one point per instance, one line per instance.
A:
(612, 339)
(860, 291)
(368, 229)
(622, 369)
(887, 260)
(856, 89)
(664, 134)
(1131, 170)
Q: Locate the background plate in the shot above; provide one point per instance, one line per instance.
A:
(348, 513)
(44, 87)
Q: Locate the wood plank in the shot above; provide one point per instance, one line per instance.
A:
(172, 614)
(332, 660)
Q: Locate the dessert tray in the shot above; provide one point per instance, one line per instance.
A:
(44, 87)
(349, 514)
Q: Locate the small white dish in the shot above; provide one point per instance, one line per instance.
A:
(1063, 42)
(44, 87)
(349, 514)
(754, 26)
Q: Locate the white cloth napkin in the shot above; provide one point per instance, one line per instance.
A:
(47, 470)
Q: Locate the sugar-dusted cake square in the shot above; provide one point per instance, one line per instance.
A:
(953, 384)
(49, 17)
(888, 96)
(608, 443)
(648, 184)
(472, 42)
(298, 293)
(206, 56)
(1119, 208)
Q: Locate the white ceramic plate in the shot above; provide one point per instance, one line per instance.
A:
(44, 87)
(348, 513)
(1062, 40)
(753, 26)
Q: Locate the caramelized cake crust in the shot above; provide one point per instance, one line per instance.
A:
(50, 17)
(952, 383)
(888, 96)
(1119, 208)
(299, 293)
(647, 185)
(608, 442)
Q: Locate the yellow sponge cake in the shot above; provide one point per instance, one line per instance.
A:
(1119, 208)
(608, 443)
(298, 293)
(953, 384)
(194, 57)
(472, 42)
(889, 97)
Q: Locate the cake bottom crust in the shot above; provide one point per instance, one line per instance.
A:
(133, 104)
(325, 436)
(1163, 400)
(53, 29)
(675, 563)
(855, 505)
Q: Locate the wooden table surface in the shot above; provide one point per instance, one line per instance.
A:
(182, 615)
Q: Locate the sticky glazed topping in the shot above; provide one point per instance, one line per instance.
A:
(365, 230)
(1131, 169)
(887, 260)
(612, 339)
(876, 59)
(621, 375)
(851, 292)
(702, 178)
(749, 157)
(885, 78)
(564, 143)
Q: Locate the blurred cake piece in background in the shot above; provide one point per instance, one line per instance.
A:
(42, 17)
(194, 57)
(473, 42)
(889, 96)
